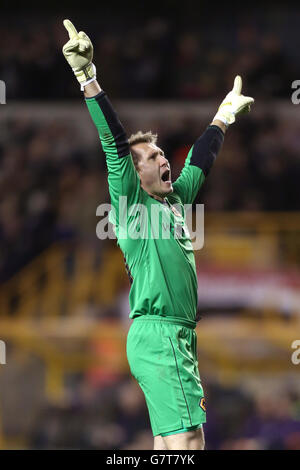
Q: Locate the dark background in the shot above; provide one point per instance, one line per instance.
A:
(64, 293)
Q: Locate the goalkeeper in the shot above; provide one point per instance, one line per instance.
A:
(161, 343)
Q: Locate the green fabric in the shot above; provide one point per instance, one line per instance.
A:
(122, 176)
(163, 270)
(189, 182)
(163, 359)
(178, 431)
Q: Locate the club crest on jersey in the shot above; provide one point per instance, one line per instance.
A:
(202, 404)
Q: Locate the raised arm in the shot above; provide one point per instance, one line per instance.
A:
(122, 177)
(206, 148)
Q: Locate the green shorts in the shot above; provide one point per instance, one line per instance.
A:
(162, 355)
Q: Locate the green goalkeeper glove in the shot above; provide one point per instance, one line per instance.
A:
(79, 53)
(233, 104)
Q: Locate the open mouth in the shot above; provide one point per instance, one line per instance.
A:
(165, 175)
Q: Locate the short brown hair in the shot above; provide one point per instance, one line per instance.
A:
(140, 138)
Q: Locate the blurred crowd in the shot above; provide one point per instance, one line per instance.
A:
(51, 184)
(155, 54)
(50, 187)
(115, 417)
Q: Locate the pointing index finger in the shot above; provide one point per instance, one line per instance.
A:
(71, 29)
(237, 86)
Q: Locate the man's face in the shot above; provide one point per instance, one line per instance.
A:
(154, 170)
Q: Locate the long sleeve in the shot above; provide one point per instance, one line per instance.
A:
(198, 164)
(122, 176)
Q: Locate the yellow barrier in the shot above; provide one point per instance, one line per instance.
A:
(65, 276)
(60, 280)
(40, 306)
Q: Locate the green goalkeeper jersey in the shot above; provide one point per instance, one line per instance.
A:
(153, 235)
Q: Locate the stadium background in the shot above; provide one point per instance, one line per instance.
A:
(63, 293)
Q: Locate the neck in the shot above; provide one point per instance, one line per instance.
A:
(155, 196)
(159, 198)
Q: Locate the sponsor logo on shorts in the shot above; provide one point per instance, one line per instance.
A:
(202, 404)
